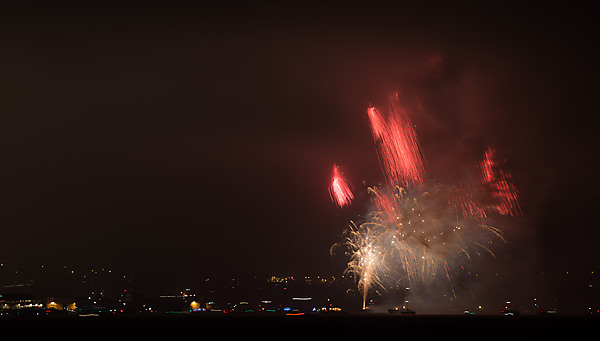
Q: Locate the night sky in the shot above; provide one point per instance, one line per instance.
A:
(175, 142)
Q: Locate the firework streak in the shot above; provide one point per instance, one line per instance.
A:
(398, 149)
(498, 185)
(338, 190)
(412, 235)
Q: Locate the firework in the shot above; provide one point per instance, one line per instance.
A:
(412, 235)
(367, 257)
(412, 238)
(466, 204)
(398, 148)
(498, 185)
(338, 190)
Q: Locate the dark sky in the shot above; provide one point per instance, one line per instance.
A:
(189, 139)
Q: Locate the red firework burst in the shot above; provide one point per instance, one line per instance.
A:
(338, 190)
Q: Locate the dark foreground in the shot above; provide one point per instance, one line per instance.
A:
(290, 326)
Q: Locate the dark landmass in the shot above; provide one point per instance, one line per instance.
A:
(283, 326)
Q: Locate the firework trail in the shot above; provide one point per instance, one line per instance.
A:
(412, 235)
(398, 148)
(338, 189)
(498, 185)
(466, 204)
(366, 261)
